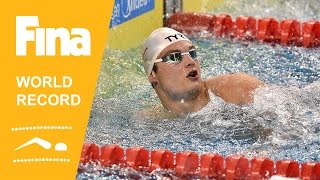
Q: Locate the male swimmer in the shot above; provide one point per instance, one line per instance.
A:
(173, 69)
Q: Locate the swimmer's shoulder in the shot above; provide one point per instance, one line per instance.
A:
(242, 79)
(234, 88)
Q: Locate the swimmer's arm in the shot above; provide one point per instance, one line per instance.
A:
(234, 88)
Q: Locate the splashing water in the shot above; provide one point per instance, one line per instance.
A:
(282, 123)
(279, 9)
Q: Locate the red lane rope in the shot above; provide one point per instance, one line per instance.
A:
(210, 165)
(285, 32)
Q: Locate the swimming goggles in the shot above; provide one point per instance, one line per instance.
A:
(176, 57)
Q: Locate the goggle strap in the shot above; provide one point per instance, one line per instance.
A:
(185, 53)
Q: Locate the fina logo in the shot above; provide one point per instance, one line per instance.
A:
(76, 42)
(133, 5)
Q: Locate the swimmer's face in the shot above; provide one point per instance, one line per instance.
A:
(180, 80)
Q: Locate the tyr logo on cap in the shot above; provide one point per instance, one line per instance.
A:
(175, 37)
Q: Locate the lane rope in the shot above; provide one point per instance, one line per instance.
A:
(286, 32)
(211, 165)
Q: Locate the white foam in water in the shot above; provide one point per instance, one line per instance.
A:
(282, 178)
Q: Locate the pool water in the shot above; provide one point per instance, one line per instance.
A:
(282, 123)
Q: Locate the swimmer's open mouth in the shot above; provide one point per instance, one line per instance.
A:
(193, 74)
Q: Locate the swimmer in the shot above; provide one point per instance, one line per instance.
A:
(173, 69)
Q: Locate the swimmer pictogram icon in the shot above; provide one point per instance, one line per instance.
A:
(43, 143)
